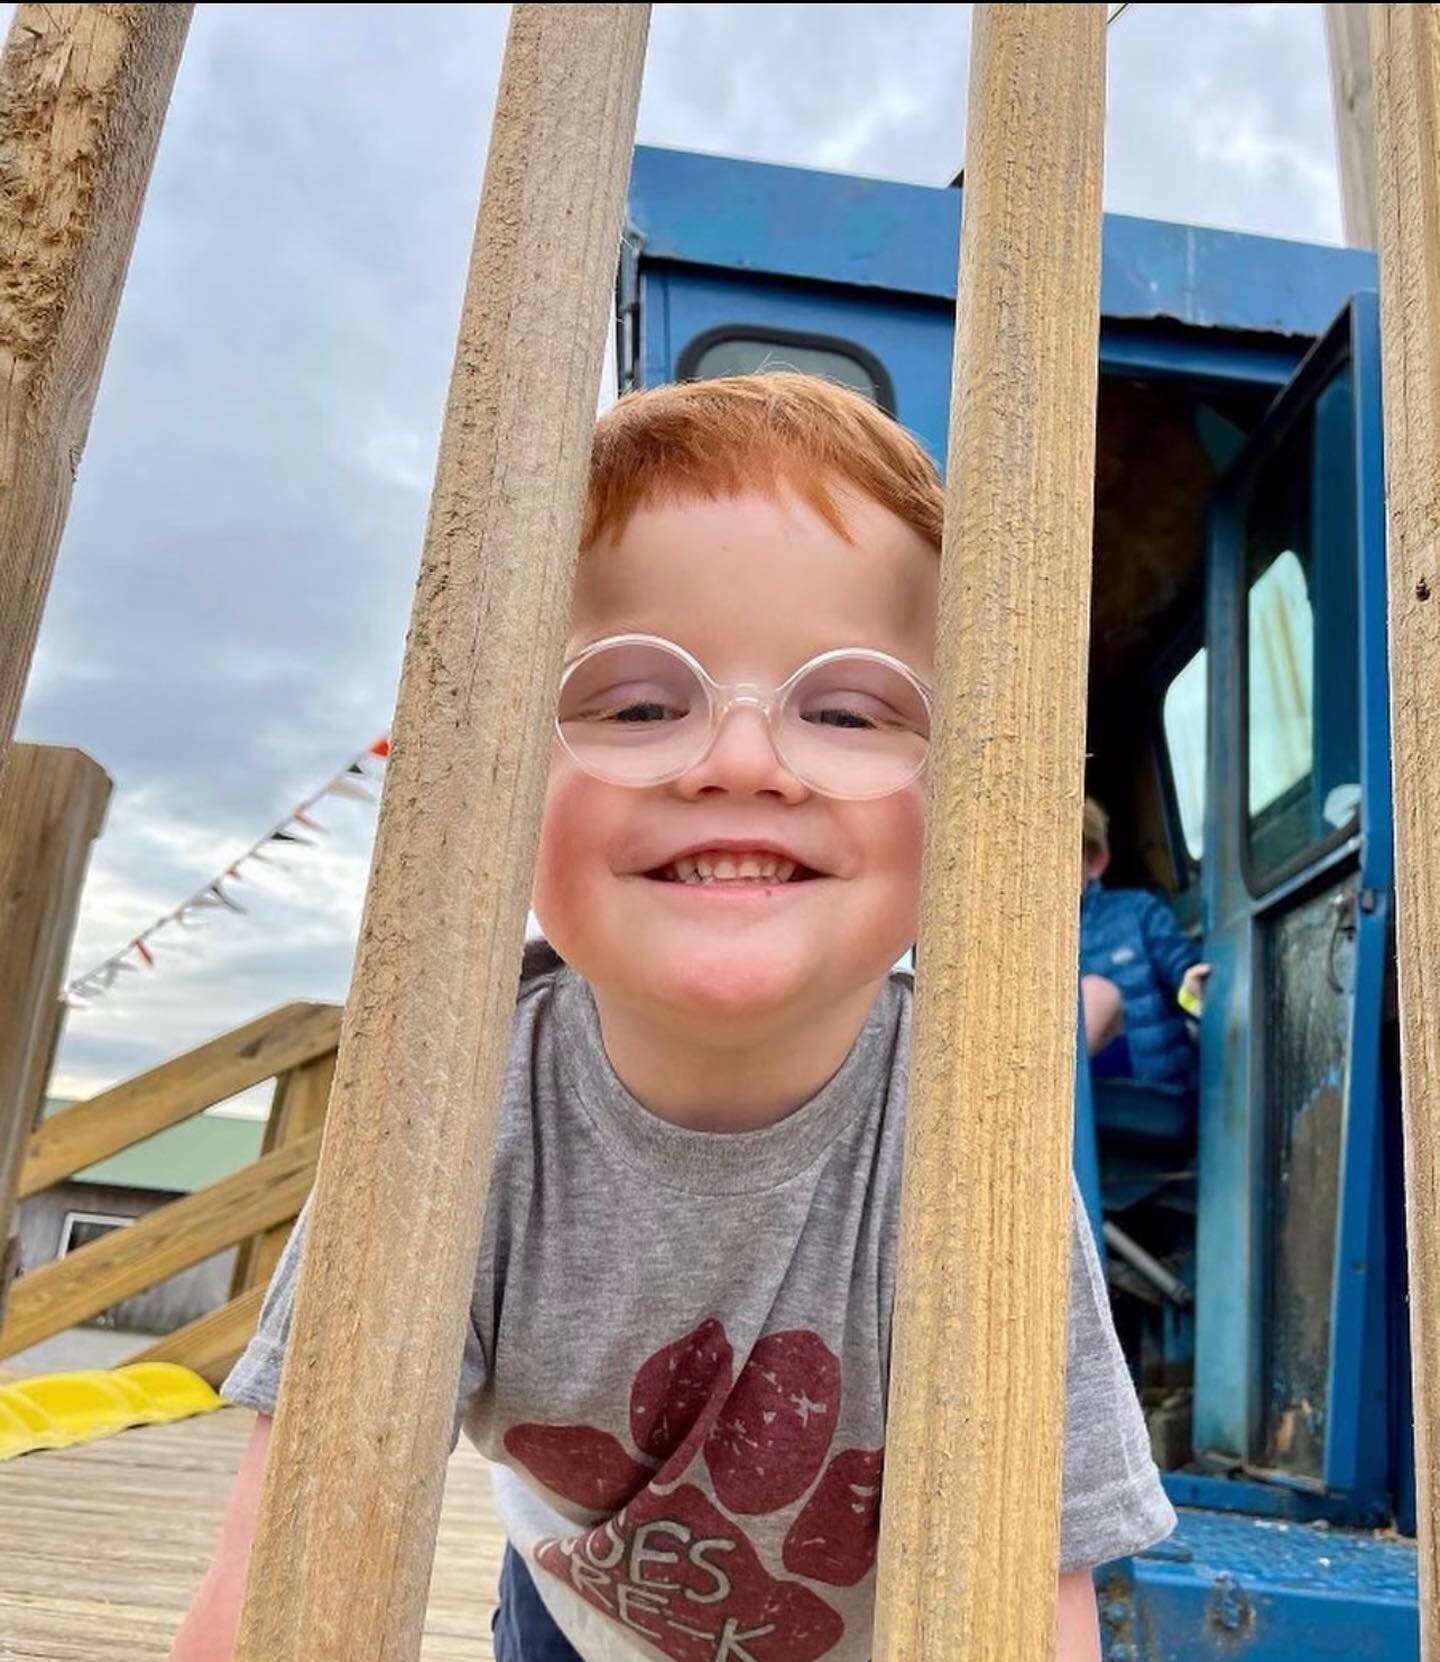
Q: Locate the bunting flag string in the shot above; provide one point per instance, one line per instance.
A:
(297, 828)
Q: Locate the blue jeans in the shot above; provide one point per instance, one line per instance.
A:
(522, 1627)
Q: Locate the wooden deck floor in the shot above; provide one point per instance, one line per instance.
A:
(101, 1547)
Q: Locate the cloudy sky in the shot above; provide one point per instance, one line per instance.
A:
(229, 606)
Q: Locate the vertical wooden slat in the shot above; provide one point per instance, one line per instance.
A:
(83, 90)
(347, 1520)
(1352, 97)
(52, 801)
(1406, 44)
(297, 1108)
(969, 1534)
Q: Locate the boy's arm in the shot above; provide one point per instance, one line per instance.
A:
(1171, 950)
(208, 1632)
(1077, 1628)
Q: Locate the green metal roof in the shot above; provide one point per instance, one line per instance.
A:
(181, 1158)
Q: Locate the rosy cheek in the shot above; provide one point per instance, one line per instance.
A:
(563, 839)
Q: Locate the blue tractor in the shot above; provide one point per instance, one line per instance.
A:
(1238, 735)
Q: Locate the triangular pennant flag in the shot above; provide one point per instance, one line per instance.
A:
(344, 787)
(144, 951)
(291, 837)
(300, 817)
(356, 768)
(225, 899)
(381, 747)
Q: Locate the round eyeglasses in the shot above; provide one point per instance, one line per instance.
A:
(637, 710)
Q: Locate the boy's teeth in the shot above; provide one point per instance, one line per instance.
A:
(725, 868)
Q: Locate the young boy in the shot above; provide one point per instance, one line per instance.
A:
(1140, 975)
(679, 1343)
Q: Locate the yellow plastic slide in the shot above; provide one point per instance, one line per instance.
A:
(58, 1410)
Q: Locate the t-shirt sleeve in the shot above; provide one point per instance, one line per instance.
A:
(1112, 1504)
(254, 1381)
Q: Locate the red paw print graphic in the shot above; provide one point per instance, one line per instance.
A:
(672, 1565)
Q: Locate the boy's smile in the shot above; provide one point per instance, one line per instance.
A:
(734, 899)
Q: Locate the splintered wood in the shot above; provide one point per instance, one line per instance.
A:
(1406, 45)
(969, 1532)
(83, 91)
(348, 1512)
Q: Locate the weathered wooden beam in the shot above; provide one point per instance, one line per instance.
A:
(969, 1530)
(83, 91)
(212, 1343)
(162, 1096)
(1406, 42)
(301, 1098)
(1352, 97)
(347, 1521)
(173, 1237)
(52, 802)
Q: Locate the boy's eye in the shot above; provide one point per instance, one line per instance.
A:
(855, 712)
(639, 712)
(636, 706)
(840, 718)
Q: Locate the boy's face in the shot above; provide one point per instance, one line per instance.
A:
(752, 588)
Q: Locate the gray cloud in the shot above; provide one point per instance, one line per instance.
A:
(230, 603)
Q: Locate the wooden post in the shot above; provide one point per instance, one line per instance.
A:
(1352, 96)
(969, 1527)
(1406, 40)
(348, 1514)
(51, 804)
(83, 91)
(296, 1109)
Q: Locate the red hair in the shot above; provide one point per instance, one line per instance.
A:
(741, 433)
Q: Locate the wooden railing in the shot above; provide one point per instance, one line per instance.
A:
(252, 1208)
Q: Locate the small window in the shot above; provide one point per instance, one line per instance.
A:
(80, 1228)
(1184, 716)
(739, 350)
(1282, 633)
(1301, 668)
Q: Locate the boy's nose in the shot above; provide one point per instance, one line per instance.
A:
(742, 761)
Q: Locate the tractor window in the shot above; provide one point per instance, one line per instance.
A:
(1183, 714)
(738, 350)
(1282, 656)
(1301, 721)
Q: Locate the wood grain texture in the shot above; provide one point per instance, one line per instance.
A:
(348, 1515)
(106, 1543)
(298, 1108)
(83, 90)
(211, 1344)
(93, 1130)
(1352, 97)
(56, 1296)
(52, 803)
(969, 1533)
(1406, 44)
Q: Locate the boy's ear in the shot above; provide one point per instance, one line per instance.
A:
(1097, 859)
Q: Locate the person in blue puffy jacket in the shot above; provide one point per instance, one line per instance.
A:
(1138, 973)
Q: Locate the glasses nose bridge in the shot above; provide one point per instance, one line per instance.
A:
(744, 695)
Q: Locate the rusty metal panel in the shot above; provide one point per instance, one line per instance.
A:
(1309, 959)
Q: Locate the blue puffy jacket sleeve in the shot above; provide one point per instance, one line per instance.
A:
(1171, 951)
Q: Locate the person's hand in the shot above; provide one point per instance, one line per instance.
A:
(1192, 989)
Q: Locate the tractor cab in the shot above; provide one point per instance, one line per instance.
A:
(1251, 1221)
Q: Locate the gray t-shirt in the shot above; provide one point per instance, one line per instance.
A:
(678, 1354)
